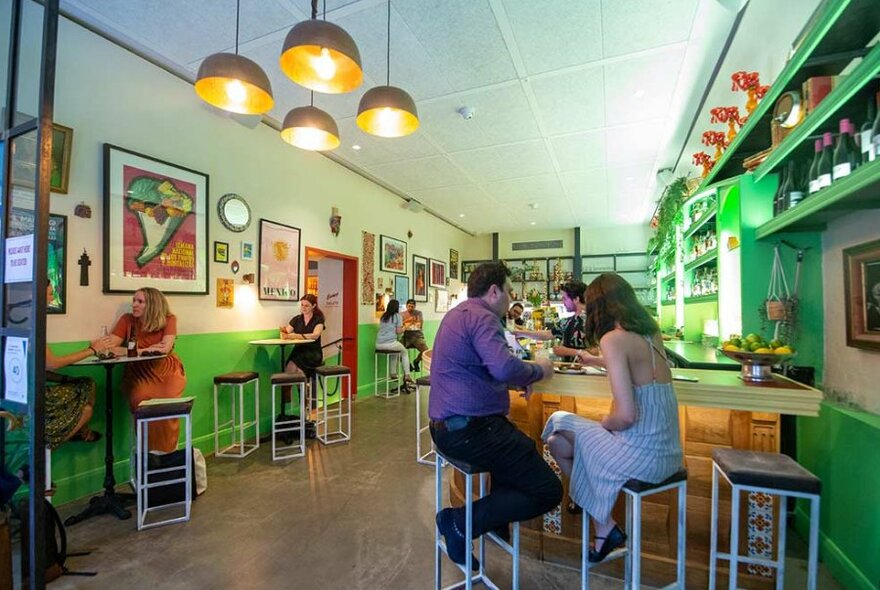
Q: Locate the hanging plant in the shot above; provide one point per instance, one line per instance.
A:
(667, 216)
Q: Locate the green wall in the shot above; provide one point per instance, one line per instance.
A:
(78, 468)
(695, 314)
(850, 505)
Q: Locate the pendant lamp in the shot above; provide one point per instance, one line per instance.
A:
(387, 111)
(233, 82)
(321, 56)
(310, 128)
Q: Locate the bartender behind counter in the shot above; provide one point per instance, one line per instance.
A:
(574, 346)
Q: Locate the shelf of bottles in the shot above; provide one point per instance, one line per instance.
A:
(468, 266)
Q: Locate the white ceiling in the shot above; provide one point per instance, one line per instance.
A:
(577, 102)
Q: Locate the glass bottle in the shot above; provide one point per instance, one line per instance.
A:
(795, 191)
(866, 136)
(843, 153)
(131, 345)
(826, 165)
(814, 167)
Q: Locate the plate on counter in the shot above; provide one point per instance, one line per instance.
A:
(569, 369)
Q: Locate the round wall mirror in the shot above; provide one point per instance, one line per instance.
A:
(234, 212)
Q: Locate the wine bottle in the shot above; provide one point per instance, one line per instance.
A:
(779, 197)
(875, 133)
(795, 190)
(131, 345)
(825, 168)
(842, 164)
(866, 136)
(814, 167)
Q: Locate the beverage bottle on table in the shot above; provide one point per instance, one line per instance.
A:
(131, 345)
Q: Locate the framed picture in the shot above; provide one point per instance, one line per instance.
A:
(221, 252)
(453, 264)
(21, 223)
(441, 301)
(247, 250)
(279, 261)
(62, 141)
(392, 254)
(401, 289)
(437, 276)
(420, 278)
(155, 225)
(225, 293)
(861, 270)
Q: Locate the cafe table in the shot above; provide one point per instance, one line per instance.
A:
(110, 501)
(281, 342)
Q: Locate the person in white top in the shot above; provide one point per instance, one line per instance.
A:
(390, 325)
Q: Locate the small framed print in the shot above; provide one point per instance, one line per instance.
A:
(221, 252)
(453, 264)
(437, 274)
(247, 250)
(225, 293)
(62, 140)
(401, 289)
(392, 254)
(861, 270)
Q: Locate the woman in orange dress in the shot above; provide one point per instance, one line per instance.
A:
(155, 329)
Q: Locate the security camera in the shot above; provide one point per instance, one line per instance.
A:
(467, 113)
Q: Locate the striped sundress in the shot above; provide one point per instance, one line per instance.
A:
(649, 450)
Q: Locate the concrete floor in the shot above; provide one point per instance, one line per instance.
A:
(354, 516)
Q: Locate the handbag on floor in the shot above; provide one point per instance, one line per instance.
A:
(55, 544)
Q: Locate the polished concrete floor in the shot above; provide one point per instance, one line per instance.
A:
(353, 516)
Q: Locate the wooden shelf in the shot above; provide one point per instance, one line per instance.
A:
(859, 190)
(701, 298)
(695, 227)
(844, 91)
(698, 262)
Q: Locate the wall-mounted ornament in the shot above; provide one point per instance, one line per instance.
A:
(335, 221)
(83, 210)
(235, 267)
(234, 212)
(248, 278)
(409, 234)
(84, 263)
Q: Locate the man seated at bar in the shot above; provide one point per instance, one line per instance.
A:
(413, 336)
(571, 332)
(471, 372)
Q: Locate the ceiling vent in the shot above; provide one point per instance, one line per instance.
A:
(413, 206)
(541, 245)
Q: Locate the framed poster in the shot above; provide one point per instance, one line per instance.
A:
(278, 261)
(401, 289)
(420, 278)
(21, 223)
(392, 254)
(62, 141)
(453, 264)
(437, 275)
(225, 293)
(441, 301)
(861, 272)
(155, 225)
(221, 252)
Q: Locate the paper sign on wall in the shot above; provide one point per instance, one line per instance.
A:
(19, 257)
(15, 369)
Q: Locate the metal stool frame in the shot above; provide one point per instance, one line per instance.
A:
(142, 481)
(341, 434)
(430, 457)
(296, 450)
(244, 449)
(387, 379)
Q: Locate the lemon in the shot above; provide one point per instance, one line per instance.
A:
(783, 350)
(731, 347)
(764, 351)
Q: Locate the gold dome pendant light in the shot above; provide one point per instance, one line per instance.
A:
(234, 83)
(310, 128)
(321, 56)
(387, 111)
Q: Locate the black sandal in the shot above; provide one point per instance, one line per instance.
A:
(573, 508)
(614, 539)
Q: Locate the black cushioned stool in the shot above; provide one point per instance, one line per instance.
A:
(421, 428)
(440, 546)
(342, 413)
(769, 473)
(143, 415)
(387, 380)
(237, 423)
(293, 424)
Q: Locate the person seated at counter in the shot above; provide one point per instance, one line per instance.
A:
(303, 359)
(390, 325)
(154, 328)
(639, 439)
(514, 314)
(413, 336)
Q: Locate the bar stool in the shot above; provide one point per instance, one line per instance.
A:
(297, 424)
(237, 380)
(421, 429)
(387, 380)
(636, 491)
(440, 546)
(342, 417)
(768, 473)
(143, 415)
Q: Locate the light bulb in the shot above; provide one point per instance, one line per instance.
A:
(236, 91)
(324, 66)
(387, 121)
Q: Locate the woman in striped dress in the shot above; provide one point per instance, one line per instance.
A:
(639, 439)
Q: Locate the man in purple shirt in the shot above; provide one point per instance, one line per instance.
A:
(471, 372)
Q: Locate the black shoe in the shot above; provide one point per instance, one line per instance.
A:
(455, 542)
(413, 368)
(573, 508)
(614, 539)
(417, 366)
(503, 533)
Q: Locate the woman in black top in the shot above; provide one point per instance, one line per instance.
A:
(308, 325)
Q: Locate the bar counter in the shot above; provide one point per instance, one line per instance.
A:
(693, 355)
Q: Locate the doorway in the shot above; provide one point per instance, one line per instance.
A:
(332, 277)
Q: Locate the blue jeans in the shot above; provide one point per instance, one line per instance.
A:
(523, 485)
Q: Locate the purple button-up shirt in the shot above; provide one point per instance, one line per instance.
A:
(471, 365)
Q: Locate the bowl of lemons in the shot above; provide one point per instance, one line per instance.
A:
(757, 355)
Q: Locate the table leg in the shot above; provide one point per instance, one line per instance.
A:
(283, 364)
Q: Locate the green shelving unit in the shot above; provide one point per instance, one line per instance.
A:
(704, 259)
(709, 215)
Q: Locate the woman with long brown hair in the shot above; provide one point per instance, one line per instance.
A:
(639, 438)
(154, 328)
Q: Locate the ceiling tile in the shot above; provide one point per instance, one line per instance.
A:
(634, 25)
(583, 188)
(552, 36)
(572, 101)
(412, 175)
(634, 143)
(642, 87)
(579, 151)
(526, 190)
(507, 161)
(455, 198)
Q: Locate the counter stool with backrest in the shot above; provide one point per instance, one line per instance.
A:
(768, 473)
(635, 492)
(387, 380)
(428, 457)
(237, 381)
(147, 479)
(342, 414)
(296, 424)
(470, 579)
